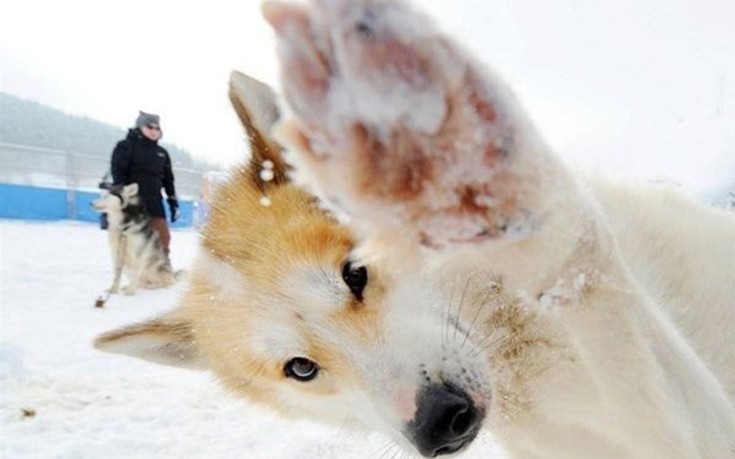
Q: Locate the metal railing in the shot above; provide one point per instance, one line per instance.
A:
(46, 167)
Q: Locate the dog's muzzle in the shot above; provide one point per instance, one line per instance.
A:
(446, 420)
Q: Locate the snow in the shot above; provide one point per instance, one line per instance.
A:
(82, 403)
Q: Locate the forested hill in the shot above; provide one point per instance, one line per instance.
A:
(29, 123)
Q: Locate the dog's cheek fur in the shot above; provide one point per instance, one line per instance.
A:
(248, 345)
(265, 289)
(248, 332)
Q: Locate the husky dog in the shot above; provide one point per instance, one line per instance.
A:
(469, 280)
(134, 244)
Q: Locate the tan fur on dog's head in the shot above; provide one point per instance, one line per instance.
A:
(281, 308)
(489, 287)
(264, 238)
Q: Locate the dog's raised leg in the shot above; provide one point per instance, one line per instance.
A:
(398, 127)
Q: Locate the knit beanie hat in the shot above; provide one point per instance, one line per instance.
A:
(146, 118)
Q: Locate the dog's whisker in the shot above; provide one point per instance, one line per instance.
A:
(480, 306)
(382, 450)
(447, 320)
(396, 453)
(461, 302)
(471, 326)
(489, 343)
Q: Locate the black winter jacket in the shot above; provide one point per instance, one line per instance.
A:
(140, 160)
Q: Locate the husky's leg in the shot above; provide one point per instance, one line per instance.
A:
(136, 268)
(117, 249)
(400, 129)
(132, 286)
(157, 271)
(115, 288)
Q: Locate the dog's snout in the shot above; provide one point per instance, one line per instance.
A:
(446, 420)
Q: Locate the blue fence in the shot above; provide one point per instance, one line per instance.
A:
(45, 203)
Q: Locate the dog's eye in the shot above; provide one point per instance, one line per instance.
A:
(365, 31)
(356, 278)
(301, 369)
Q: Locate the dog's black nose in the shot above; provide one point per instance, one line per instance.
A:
(446, 420)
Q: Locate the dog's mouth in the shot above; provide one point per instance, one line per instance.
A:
(446, 421)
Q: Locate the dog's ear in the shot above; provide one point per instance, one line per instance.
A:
(130, 190)
(167, 340)
(256, 107)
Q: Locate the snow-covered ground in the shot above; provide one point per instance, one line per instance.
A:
(59, 398)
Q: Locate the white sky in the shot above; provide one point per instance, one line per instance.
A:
(644, 88)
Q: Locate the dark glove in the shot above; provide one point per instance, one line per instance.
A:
(104, 223)
(173, 206)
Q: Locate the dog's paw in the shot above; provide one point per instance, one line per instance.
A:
(395, 124)
(129, 290)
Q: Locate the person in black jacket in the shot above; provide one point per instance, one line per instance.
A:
(140, 159)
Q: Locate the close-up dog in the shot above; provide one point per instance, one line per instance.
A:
(134, 244)
(462, 278)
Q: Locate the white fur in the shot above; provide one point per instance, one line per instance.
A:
(585, 319)
(612, 335)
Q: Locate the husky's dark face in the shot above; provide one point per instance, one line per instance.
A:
(117, 198)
